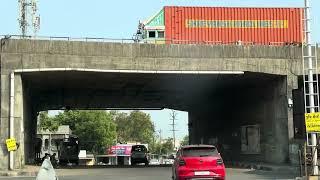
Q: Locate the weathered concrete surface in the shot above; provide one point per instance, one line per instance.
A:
(63, 54)
(29, 54)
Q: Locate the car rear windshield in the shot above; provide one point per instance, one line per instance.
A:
(199, 151)
(139, 148)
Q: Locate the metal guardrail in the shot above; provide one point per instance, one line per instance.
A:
(65, 38)
(147, 41)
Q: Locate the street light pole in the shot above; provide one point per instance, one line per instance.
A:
(309, 57)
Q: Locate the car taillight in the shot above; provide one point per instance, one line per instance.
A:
(219, 162)
(182, 162)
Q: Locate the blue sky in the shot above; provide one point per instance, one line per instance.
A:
(119, 19)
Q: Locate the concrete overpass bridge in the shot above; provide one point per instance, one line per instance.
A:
(223, 88)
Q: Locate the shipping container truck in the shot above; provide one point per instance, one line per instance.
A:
(224, 25)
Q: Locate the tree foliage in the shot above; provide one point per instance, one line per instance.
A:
(95, 129)
(121, 120)
(165, 147)
(47, 123)
(136, 126)
(185, 141)
(99, 129)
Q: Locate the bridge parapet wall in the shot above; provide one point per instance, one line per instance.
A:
(29, 54)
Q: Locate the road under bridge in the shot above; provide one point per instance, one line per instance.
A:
(236, 96)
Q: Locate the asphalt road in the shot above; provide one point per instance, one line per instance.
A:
(152, 173)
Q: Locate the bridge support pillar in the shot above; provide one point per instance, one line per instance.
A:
(19, 159)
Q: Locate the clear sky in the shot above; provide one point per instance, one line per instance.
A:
(119, 19)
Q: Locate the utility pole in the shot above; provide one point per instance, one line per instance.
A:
(173, 118)
(160, 137)
(311, 89)
(153, 137)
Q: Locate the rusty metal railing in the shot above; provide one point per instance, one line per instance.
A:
(148, 41)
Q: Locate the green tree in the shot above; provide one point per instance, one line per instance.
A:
(164, 148)
(96, 129)
(142, 128)
(71, 118)
(46, 122)
(136, 126)
(185, 141)
(123, 127)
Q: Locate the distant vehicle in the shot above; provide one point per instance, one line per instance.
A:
(139, 154)
(172, 156)
(154, 162)
(198, 162)
(168, 161)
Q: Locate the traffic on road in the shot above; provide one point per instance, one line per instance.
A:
(152, 173)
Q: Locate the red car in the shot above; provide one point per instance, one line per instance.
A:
(198, 162)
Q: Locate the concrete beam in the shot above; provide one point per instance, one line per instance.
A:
(55, 54)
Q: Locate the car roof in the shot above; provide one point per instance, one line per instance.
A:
(197, 145)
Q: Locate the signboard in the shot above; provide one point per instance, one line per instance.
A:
(120, 150)
(11, 144)
(312, 122)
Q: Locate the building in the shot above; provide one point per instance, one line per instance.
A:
(48, 142)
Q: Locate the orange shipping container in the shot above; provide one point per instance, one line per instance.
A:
(214, 25)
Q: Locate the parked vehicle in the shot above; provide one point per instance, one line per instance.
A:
(139, 154)
(168, 161)
(198, 162)
(154, 162)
